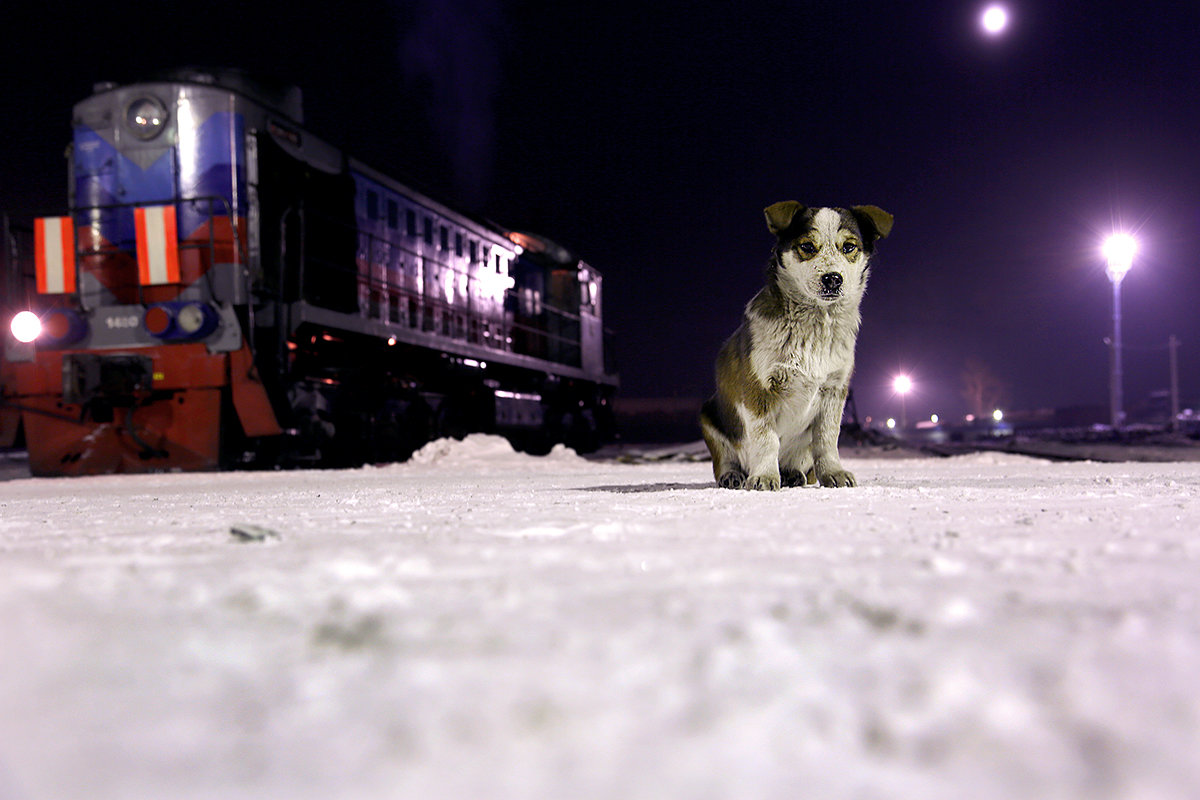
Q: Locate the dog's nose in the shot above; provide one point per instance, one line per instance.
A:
(831, 282)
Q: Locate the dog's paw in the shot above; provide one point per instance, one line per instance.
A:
(765, 483)
(734, 479)
(838, 477)
(792, 477)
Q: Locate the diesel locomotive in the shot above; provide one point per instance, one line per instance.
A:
(226, 289)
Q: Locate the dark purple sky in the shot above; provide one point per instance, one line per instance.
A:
(649, 136)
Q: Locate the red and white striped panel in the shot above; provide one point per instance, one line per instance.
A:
(157, 245)
(54, 254)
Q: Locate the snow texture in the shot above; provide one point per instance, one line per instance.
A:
(478, 623)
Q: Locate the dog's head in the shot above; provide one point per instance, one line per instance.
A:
(822, 254)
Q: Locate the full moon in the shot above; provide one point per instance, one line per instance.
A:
(995, 19)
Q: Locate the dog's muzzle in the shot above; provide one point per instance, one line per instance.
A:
(831, 284)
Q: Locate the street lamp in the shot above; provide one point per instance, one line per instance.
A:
(1119, 249)
(902, 385)
(994, 19)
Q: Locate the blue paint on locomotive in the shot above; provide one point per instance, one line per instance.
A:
(198, 165)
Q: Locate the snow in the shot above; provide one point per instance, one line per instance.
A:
(478, 623)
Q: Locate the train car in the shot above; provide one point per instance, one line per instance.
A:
(227, 289)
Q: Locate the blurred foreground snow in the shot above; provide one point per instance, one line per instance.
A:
(483, 624)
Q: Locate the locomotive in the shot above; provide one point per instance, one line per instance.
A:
(227, 289)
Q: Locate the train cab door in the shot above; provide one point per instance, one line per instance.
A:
(306, 234)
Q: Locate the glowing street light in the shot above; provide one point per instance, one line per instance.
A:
(902, 385)
(1119, 250)
(994, 19)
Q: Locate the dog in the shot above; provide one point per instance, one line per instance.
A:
(782, 377)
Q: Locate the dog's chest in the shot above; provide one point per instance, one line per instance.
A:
(792, 359)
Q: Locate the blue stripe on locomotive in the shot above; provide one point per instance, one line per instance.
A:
(106, 177)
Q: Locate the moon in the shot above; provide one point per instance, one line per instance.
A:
(994, 19)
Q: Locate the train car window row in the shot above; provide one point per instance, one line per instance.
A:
(433, 233)
(439, 289)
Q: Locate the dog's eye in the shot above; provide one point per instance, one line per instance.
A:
(808, 248)
(849, 247)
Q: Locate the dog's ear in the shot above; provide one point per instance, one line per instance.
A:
(873, 221)
(780, 215)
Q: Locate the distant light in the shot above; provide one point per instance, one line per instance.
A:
(902, 384)
(1119, 249)
(891, 423)
(391, 341)
(970, 417)
(26, 327)
(997, 415)
(995, 19)
(933, 418)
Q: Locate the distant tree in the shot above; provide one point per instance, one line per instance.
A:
(983, 391)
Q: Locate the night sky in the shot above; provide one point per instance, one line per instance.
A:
(649, 136)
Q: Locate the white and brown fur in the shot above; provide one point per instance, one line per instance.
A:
(783, 375)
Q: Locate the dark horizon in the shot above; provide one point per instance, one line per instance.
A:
(648, 139)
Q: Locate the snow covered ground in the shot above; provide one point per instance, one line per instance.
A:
(482, 624)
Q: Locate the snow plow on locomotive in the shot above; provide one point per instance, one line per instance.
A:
(228, 290)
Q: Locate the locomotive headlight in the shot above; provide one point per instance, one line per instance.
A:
(178, 321)
(26, 327)
(192, 318)
(145, 117)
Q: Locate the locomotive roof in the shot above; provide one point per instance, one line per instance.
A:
(279, 96)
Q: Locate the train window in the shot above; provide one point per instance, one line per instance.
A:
(458, 243)
(372, 204)
(410, 222)
(444, 237)
(393, 214)
(428, 230)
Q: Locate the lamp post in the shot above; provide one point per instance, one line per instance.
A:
(902, 384)
(1119, 250)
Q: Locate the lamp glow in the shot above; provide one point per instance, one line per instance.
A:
(994, 19)
(26, 327)
(1119, 249)
(902, 385)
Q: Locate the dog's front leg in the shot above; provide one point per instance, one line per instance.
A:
(827, 425)
(760, 454)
